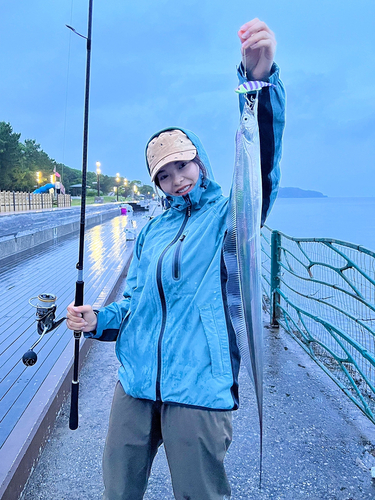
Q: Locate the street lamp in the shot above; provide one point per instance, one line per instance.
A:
(98, 172)
(135, 191)
(118, 182)
(38, 178)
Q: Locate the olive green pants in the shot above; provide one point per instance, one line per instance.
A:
(195, 443)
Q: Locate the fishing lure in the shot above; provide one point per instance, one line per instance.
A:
(251, 87)
(242, 252)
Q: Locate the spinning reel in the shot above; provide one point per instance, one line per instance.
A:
(45, 316)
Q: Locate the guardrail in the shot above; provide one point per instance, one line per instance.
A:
(322, 292)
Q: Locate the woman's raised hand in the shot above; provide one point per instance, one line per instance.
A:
(81, 318)
(258, 47)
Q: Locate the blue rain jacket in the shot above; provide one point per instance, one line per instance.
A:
(175, 341)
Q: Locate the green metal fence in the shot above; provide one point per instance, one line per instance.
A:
(322, 291)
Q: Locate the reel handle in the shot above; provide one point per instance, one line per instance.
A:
(29, 358)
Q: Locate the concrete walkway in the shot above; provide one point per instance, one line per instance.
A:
(317, 444)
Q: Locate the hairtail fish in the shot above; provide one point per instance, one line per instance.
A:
(242, 252)
(252, 86)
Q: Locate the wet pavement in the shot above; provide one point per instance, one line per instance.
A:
(317, 444)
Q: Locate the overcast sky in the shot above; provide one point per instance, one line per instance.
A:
(170, 62)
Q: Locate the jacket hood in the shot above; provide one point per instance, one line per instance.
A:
(206, 189)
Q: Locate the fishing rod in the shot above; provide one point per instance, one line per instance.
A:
(46, 303)
(79, 292)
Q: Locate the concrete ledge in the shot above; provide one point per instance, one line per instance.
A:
(20, 242)
(22, 449)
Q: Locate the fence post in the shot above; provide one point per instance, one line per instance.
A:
(275, 277)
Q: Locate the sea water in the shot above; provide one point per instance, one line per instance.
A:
(347, 219)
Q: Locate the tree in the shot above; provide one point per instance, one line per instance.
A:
(34, 159)
(146, 189)
(71, 176)
(10, 156)
(106, 183)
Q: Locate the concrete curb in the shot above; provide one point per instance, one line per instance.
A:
(21, 242)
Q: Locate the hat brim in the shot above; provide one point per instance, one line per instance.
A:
(180, 156)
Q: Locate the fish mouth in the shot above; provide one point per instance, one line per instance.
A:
(184, 190)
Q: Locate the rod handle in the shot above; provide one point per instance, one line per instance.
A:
(73, 418)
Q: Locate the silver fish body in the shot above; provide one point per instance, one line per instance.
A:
(242, 250)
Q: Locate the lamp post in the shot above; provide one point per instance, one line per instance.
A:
(98, 172)
(117, 182)
(38, 178)
(135, 191)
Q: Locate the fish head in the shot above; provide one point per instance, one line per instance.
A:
(248, 124)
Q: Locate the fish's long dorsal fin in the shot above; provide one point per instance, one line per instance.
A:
(252, 87)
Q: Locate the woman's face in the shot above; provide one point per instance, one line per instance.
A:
(178, 178)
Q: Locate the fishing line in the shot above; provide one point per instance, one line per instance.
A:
(244, 63)
(66, 94)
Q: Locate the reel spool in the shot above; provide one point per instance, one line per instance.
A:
(45, 306)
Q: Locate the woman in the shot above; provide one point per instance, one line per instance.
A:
(178, 379)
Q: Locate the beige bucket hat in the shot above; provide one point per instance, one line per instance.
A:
(172, 145)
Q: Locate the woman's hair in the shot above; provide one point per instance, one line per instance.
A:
(196, 160)
(201, 166)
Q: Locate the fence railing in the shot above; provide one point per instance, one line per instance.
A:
(14, 201)
(322, 291)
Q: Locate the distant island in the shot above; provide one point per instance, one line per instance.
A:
(289, 192)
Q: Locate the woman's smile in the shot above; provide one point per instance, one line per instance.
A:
(184, 190)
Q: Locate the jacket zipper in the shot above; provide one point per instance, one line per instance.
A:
(162, 297)
(176, 259)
